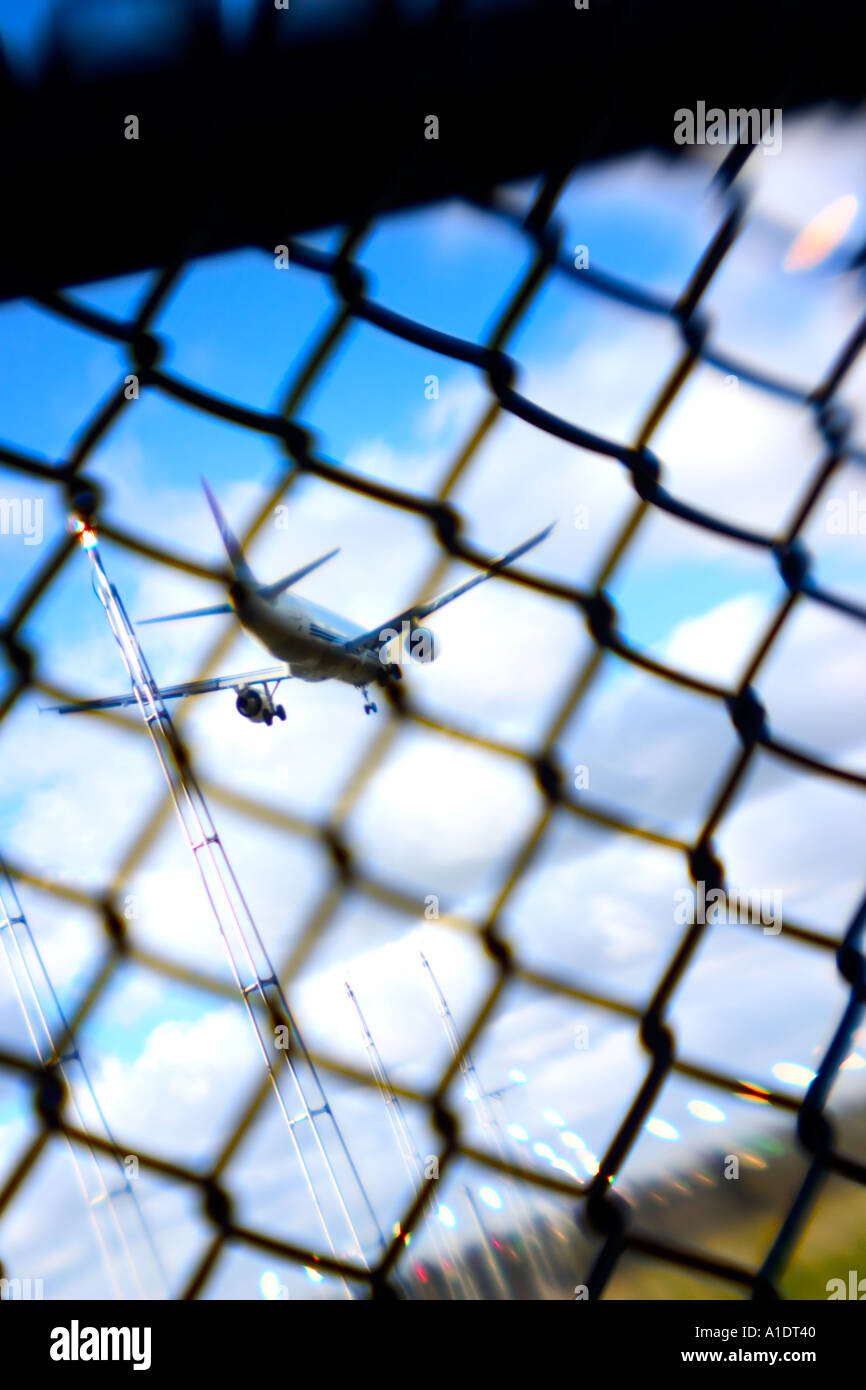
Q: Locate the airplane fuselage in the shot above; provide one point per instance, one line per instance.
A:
(310, 639)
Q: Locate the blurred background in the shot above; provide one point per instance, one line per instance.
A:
(540, 919)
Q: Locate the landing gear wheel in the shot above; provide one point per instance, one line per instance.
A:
(269, 719)
(370, 708)
(280, 712)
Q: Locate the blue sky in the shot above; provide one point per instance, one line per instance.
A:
(437, 816)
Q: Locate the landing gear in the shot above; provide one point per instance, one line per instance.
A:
(369, 707)
(280, 712)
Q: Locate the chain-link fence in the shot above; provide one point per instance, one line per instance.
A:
(596, 1202)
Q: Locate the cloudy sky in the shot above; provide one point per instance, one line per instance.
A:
(172, 1066)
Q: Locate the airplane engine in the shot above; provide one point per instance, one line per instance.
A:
(424, 644)
(257, 706)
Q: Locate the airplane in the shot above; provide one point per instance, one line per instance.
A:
(309, 642)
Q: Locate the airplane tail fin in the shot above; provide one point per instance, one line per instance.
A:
(240, 568)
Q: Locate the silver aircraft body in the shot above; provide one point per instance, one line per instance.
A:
(309, 642)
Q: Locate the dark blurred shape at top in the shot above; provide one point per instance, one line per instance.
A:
(257, 122)
(98, 36)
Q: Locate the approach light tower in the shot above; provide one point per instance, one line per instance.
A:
(104, 1183)
(538, 1263)
(297, 1086)
(447, 1253)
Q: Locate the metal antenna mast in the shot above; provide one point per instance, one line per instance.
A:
(480, 1098)
(58, 1051)
(254, 974)
(445, 1251)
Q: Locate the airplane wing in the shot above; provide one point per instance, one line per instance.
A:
(374, 640)
(176, 692)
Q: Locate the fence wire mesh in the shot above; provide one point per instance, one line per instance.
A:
(596, 1204)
